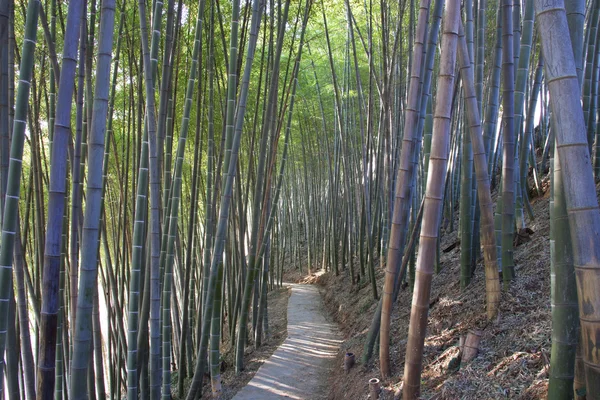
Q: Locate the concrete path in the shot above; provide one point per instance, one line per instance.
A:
(300, 367)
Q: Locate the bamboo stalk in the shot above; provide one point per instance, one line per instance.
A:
(483, 181)
(433, 203)
(578, 180)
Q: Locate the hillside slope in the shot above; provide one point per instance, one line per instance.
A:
(514, 353)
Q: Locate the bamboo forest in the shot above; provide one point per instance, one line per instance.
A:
(304, 199)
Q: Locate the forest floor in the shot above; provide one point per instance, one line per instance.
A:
(277, 304)
(514, 353)
(298, 367)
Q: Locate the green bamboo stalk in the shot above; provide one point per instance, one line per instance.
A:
(491, 110)
(23, 315)
(89, 96)
(215, 335)
(139, 229)
(91, 232)
(175, 193)
(150, 67)
(12, 356)
(468, 6)
(184, 349)
(61, 343)
(273, 211)
(466, 215)
(516, 18)
(98, 367)
(578, 181)
(52, 94)
(56, 205)
(576, 20)
(591, 45)
(163, 106)
(508, 142)
(4, 93)
(528, 132)
(565, 326)
(481, 32)
(566, 350)
(522, 74)
(217, 254)
(594, 117)
(549, 138)
(76, 171)
(164, 123)
(523, 67)
(262, 323)
(258, 193)
(210, 197)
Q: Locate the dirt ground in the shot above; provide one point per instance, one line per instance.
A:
(514, 354)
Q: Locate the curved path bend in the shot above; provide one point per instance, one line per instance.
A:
(299, 368)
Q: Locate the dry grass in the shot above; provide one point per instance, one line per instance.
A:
(514, 350)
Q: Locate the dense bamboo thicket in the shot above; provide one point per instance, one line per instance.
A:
(164, 165)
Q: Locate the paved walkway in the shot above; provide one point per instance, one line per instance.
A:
(300, 367)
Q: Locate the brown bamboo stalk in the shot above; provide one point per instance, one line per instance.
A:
(434, 198)
(486, 206)
(404, 187)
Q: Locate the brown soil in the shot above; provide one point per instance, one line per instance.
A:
(515, 349)
(277, 302)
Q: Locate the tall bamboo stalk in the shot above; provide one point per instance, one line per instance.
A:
(434, 196)
(56, 204)
(479, 62)
(175, 193)
(10, 222)
(4, 94)
(578, 180)
(508, 142)
(134, 307)
(565, 327)
(217, 254)
(403, 190)
(258, 192)
(154, 176)
(185, 350)
(491, 110)
(492, 283)
(91, 223)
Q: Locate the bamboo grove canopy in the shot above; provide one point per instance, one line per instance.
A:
(163, 164)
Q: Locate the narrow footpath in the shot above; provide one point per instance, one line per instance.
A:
(300, 367)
